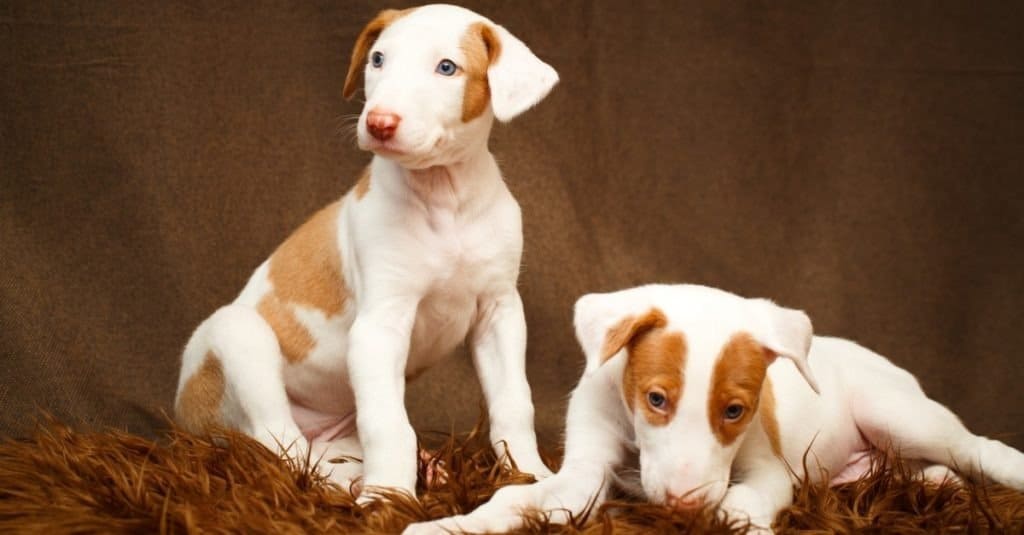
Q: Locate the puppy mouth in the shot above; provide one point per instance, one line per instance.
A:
(403, 152)
(385, 148)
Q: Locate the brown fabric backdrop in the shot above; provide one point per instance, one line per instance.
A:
(863, 161)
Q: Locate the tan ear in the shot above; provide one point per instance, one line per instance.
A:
(365, 40)
(628, 329)
(607, 322)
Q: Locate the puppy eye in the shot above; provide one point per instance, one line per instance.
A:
(656, 399)
(447, 67)
(733, 412)
(377, 59)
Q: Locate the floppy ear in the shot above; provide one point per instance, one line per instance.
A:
(518, 79)
(784, 332)
(365, 40)
(607, 323)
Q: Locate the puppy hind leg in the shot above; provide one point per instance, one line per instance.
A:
(255, 398)
(341, 461)
(996, 460)
(921, 428)
(199, 400)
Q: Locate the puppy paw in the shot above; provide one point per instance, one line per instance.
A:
(745, 505)
(354, 485)
(539, 472)
(434, 527)
(534, 467)
(471, 523)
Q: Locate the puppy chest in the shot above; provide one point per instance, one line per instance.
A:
(470, 259)
(442, 322)
(455, 296)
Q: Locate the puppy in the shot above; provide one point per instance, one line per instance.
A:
(684, 375)
(422, 254)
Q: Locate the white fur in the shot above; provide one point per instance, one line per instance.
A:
(430, 257)
(865, 404)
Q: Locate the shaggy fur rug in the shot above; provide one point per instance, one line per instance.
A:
(63, 481)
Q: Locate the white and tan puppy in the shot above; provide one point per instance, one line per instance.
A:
(420, 256)
(688, 377)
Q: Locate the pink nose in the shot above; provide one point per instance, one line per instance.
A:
(382, 124)
(684, 503)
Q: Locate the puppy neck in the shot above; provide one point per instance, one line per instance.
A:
(471, 179)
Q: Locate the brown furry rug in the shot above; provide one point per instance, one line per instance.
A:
(63, 481)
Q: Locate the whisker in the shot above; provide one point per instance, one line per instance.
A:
(347, 127)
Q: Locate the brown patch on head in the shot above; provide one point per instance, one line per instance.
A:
(365, 40)
(737, 378)
(198, 407)
(305, 270)
(766, 411)
(656, 360)
(481, 48)
(363, 185)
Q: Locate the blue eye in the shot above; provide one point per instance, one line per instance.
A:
(733, 412)
(656, 399)
(447, 67)
(377, 59)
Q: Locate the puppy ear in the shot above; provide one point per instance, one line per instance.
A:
(608, 323)
(784, 332)
(364, 42)
(518, 79)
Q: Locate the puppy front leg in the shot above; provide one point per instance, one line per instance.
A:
(566, 493)
(499, 353)
(758, 498)
(377, 354)
(592, 448)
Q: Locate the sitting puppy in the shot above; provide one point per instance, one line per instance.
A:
(684, 375)
(420, 255)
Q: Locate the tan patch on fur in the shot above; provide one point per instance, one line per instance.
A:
(737, 378)
(766, 411)
(481, 47)
(305, 270)
(363, 44)
(292, 337)
(622, 332)
(363, 185)
(198, 407)
(656, 360)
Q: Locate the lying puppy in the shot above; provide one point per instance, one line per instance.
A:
(684, 375)
(421, 254)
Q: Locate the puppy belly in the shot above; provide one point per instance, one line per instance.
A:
(319, 426)
(857, 466)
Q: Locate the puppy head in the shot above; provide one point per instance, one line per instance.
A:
(435, 78)
(694, 360)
